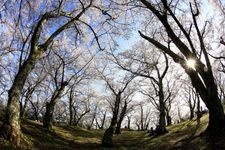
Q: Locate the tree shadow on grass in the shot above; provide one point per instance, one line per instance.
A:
(201, 140)
(44, 139)
(130, 139)
(176, 137)
(83, 133)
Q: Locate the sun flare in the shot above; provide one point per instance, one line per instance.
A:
(191, 63)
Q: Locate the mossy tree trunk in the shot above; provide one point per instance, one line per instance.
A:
(11, 127)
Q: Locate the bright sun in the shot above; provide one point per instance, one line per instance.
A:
(191, 63)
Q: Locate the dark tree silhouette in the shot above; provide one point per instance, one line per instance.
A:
(107, 137)
(202, 76)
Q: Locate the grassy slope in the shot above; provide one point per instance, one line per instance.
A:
(185, 135)
(180, 136)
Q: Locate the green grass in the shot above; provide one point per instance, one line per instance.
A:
(180, 136)
(186, 135)
(62, 137)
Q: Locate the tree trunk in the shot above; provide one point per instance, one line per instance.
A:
(27, 97)
(23, 109)
(103, 121)
(147, 124)
(211, 99)
(199, 115)
(192, 95)
(142, 118)
(168, 119)
(48, 117)
(36, 113)
(162, 124)
(128, 122)
(202, 76)
(93, 118)
(71, 113)
(107, 138)
(191, 113)
(216, 123)
(162, 116)
(78, 119)
(71, 103)
(71, 109)
(97, 124)
(179, 115)
(11, 126)
(74, 116)
(122, 115)
(138, 126)
(118, 127)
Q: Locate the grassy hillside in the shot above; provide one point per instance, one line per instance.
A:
(185, 135)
